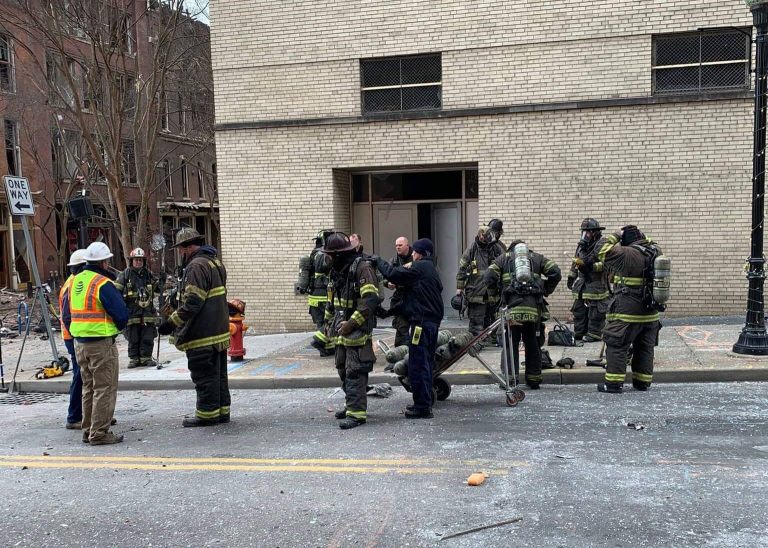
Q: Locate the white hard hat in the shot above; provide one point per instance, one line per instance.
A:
(77, 257)
(97, 251)
(137, 253)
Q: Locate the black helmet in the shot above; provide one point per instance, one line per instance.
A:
(496, 225)
(631, 234)
(457, 301)
(591, 224)
(337, 242)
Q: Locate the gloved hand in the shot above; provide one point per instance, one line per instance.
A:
(586, 265)
(569, 282)
(577, 262)
(345, 328)
(165, 328)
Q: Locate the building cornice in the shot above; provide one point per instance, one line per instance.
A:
(490, 111)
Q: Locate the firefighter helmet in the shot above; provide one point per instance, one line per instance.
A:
(457, 302)
(337, 242)
(188, 236)
(137, 253)
(236, 306)
(591, 224)
(497, 225)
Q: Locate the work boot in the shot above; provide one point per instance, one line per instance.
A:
(590, 338)
(224, 418)
(86, 437)
(610, 387)
(389, 367)
(341, 414)
(640, 385)
(350, 422)
(133, 364)
(108, 439)
(149, 363)
(113, 421)
(533, 385)
(416, 414)
(191, 422)
(73, 425)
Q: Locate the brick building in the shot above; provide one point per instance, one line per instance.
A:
(430, 118)
(44, 144)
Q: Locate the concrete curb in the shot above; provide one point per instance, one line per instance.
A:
(551, 376)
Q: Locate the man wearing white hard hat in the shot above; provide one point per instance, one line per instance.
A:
(95, 313)
(75, 412)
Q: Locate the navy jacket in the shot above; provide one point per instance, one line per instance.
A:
(423, 291)
(110, 299)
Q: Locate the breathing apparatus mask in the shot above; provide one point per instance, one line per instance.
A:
(490, 236)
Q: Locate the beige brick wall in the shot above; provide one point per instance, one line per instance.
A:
(681, 171)
(300, 59)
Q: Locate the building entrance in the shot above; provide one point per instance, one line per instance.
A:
(440, 204)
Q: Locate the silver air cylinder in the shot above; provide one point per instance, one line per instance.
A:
(522, 263)
(662, 268)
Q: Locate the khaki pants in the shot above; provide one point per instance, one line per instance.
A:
(99, 370)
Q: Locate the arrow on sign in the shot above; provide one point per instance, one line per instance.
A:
(19, 205)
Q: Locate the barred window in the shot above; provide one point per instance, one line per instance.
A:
(394, 84)
(7, 84)
(702, 61)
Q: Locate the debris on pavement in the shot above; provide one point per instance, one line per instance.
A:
(478, 478)
(482, 528)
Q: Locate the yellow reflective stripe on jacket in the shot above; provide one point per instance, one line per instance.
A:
(195, 291)
(206, 341)
(610, 242)
(369, 288)
(357, 318)
(629, 281)
(176, 320)
(633, 318)
(598, 267)
(316, 300)
(216, 291)
(595, 296)
(343, 303)
(506, 278)
(357, 341)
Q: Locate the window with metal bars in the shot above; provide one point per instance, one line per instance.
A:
(7, 84)
(702, 61)
(392, 84)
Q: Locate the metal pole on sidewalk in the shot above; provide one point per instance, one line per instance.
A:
(753, 339)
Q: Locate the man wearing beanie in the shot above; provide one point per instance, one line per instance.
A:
(631, 320)
(423, 306)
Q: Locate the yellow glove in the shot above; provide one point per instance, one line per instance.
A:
(577, 262)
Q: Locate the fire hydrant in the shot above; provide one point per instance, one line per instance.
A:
(236, 350)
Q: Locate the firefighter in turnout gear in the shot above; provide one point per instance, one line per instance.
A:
(353, 296)
(481, 304)
(525, 303)
(632, 320)
(201, 327)
(317, 294)
(588, 281)
(138, 286)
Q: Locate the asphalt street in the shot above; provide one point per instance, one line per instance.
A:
(681, 465)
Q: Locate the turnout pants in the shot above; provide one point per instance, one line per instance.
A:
(588, 318)
(480, 316)
(528, 332)
(141, 342)
(402, 330)
(353, 364)
(421, 359)
(318, 315)
(619, 337)
(208, 369)
(75, 411)
(99, 368)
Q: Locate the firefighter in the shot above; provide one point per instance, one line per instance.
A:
(481, 306)
(138, 286)
(201, 327)
(422, 304)
(94, 313)
(75, 412)
(353, 296)
(317, 290)
(525, 303)
(404, 255)
(632, 321)
(588, 281)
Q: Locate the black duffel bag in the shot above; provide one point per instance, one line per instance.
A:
(561, 336)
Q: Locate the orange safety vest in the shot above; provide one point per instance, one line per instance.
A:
(65, 334)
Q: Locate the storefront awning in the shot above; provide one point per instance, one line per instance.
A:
(186, 206)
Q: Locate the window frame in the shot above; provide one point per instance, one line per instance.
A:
(184, 169)
(16, 150)
(746, 32)
(400, 86)
(10, 63)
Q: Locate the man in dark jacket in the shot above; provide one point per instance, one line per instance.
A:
(201, 327)
(423, 306)
(631, 320)
(588, 281)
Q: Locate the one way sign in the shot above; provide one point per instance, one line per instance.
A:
(19, 196)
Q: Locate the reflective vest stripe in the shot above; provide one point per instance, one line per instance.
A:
(65, 288)
(89, 319)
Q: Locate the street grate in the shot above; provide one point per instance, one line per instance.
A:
(25, 399)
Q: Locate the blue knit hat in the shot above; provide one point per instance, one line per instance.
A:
(424, 247)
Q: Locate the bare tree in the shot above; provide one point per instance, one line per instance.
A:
(117, 95)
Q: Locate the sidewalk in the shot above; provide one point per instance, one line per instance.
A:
(690, 350)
